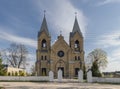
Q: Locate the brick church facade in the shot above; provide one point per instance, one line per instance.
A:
(61, 55)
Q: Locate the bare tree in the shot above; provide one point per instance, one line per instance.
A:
(33, 72)
(16, 55)
(100, 57)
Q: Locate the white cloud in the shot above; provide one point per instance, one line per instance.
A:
(112, 66)
(111, 41)
(60, 13)
(17, 39)
(113, 61)
(108, 40)
(116, 54)
(103, 2)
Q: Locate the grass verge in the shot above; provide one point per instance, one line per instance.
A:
(2, 88)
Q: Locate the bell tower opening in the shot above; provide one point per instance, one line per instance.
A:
(76, 45)
(44, 43)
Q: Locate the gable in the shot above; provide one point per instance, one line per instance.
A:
(60, 44)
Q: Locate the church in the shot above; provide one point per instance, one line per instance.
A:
(60, 55)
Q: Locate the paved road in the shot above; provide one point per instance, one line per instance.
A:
(38, 85)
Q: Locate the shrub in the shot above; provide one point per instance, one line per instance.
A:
(9, 73)
(13, 73)
(21, 73)
(16, 73)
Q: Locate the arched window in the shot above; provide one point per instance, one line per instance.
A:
(75, 57)
(45, 57)
(78, 57)
(76, 44)
(41, 57)
(44, 43)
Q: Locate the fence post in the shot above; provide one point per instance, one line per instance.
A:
(51, 76)
(60, 75)
(89, 77)
(80, 76)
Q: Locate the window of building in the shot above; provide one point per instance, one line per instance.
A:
(76, 44)
(78, 57)
(44, 43)
(45, 57)
(41, 57)
(75, 57)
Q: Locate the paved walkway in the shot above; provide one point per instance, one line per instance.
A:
(47, 85)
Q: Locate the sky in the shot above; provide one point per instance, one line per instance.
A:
(99, 21)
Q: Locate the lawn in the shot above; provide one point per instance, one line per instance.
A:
(2, 88)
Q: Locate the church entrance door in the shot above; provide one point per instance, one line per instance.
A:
(62, 68)
(76, 72)
(44, 72)
(60, 65)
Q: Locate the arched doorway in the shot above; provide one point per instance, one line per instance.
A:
(61, 65)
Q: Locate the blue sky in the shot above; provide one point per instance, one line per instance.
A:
(99, 20)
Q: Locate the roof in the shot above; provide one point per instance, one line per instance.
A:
(44, 27)
(76, 28)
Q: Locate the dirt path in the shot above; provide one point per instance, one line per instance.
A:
(38, 85)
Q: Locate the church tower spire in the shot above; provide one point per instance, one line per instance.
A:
(44, 26)
(76, 37)
(76, 27)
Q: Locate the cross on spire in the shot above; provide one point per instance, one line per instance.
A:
(60, 32)
(44, 12)
(75, 14)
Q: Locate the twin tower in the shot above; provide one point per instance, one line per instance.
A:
(61, 55)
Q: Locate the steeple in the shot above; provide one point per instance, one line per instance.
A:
(76, 27)
(44, 26)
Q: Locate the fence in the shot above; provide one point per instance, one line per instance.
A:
(26, 78)
(43, 78)
(106, 80)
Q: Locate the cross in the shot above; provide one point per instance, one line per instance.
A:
(60, 32)
(44, 12)
(75, 13)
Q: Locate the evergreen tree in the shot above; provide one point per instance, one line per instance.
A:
(95, 70)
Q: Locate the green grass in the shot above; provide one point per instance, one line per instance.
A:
(2, 88)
